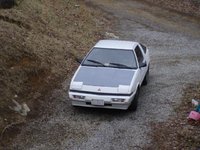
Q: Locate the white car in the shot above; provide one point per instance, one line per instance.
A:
(110, 76)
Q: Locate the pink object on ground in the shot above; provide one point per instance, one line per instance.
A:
(194, 115)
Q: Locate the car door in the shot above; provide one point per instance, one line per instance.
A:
(141, 60)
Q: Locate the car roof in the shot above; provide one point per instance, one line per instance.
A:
(116, 44)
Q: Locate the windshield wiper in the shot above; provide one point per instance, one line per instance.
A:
(96, 62)
(121, 65)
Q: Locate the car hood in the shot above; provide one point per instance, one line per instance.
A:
(102, 77)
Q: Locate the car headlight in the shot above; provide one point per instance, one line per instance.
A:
(118, 99)
(79, 97)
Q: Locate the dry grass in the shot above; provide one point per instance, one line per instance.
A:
(178, 132)
(188, 7)
(39, 41)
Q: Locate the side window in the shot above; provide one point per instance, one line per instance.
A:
(144, 48)
(139, 54)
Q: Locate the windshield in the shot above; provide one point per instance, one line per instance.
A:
(115, 58)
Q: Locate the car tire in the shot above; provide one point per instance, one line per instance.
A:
(134, 103)
(146, 78)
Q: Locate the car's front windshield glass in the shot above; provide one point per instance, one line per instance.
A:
(115, 58)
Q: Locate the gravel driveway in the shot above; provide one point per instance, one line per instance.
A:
(173, 41)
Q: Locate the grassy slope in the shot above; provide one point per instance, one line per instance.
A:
(39, 41)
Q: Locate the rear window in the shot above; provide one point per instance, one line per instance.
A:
(110, 56)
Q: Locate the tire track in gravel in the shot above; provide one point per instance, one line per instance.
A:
(173, 41)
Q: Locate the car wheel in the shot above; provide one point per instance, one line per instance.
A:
(134, 103)
(146, 78)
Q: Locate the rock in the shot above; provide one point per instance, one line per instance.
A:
(17, 106)
(25, 109)
(111, 35)
(77, 5)
(22, 109)
(195, 102)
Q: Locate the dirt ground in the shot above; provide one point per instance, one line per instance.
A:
(181, 133)
(173, 41)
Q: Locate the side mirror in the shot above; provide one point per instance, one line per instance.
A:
(79, 60)
(143, 64)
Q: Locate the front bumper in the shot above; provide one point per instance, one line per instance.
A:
(108, 103)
